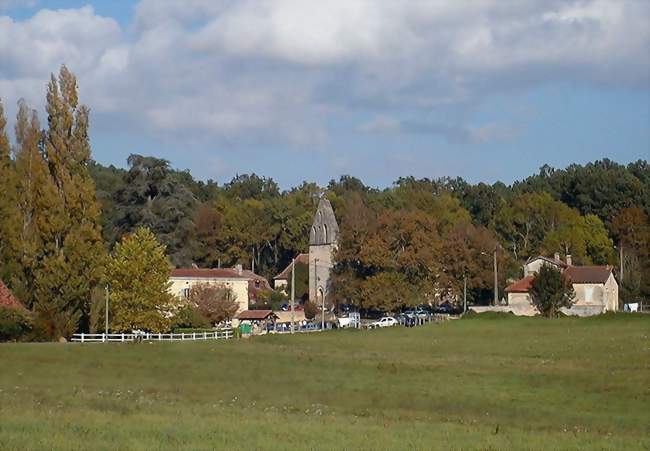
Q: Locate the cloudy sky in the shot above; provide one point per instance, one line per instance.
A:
(301, 89)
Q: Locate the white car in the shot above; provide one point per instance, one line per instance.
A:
(386, 321)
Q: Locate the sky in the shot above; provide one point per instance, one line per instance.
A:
(309, 90)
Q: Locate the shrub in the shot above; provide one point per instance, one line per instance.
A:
(15, 324)
(191, 318)
(51, 324)
(311, 310)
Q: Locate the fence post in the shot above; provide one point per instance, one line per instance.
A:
(205, 335)
(82, 337)
(193, 335)
(122, 337)
(104, 337)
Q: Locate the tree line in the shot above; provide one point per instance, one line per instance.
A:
(419, 240)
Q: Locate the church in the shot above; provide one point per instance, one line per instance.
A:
(323, 241)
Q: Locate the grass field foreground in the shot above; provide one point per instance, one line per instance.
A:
(490, 382)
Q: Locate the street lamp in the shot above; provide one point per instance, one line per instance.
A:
(496, 280)
(293, 293)
(106, 312)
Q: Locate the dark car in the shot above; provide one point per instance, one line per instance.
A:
(447, 308)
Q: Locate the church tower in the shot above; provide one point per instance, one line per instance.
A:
(323, 240)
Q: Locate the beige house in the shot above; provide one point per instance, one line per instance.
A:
(282, 279)
(596, 289)
(243, 284)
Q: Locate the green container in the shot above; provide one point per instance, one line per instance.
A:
(246, 328)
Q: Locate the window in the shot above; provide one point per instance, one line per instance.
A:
(185, 293)
(324, 233)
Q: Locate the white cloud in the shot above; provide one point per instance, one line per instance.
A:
(265, 71)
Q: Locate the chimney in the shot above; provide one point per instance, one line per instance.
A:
(557, 256)
(569, 260)
(238, 268)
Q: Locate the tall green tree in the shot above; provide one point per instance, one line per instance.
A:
(138, 273)
(152, 196)
(550, 291)
(74, 251)
(8, 212)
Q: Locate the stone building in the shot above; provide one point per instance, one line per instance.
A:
(596, 289)
(323, 240)
(245, 285)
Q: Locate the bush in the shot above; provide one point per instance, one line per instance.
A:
(190, 318)
(15, 324)
(51, 324)
(311, 310)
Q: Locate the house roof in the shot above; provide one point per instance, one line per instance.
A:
(576, 274)
(588, 274)
(286, 272)
(7, 298)
(255, 314)
(552, 261)
(285, 317)
(521, 286)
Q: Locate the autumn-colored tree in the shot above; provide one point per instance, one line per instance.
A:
(74, 251)
(138, 274)
(39, 212)
(550, 291)
(389, 291)
(215, 302)
(467, 254)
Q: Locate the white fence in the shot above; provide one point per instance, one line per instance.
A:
(221, 334)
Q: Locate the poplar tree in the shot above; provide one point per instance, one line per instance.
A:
(35, 200)
(75, 254)
(8, 213)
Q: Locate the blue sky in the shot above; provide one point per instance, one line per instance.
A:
(295, 90)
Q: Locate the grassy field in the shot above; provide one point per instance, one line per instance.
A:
(480, 383)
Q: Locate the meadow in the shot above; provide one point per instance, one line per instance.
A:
(485, 382)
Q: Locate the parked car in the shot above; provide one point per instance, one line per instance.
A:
(386, 321)
(446, 308)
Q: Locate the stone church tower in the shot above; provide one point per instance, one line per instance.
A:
(323, 239)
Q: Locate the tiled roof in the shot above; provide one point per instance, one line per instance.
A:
(209, 273)
(576, 274)
(588, 274)
(521, 286)
(286, 272)
(255, 314)
(7, 298)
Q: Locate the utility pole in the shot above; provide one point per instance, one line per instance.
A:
(496, 279)
(620, 250)
(464, 293)
(293, 293)
(106, 312)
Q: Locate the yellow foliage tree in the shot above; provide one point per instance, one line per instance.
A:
(138, 273)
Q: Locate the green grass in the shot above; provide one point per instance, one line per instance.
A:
(480, 383)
